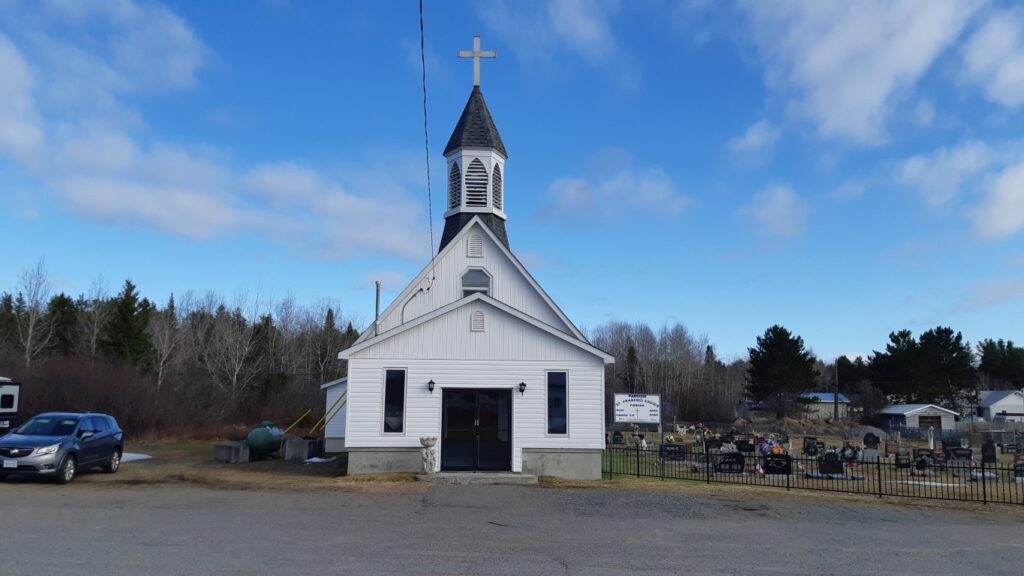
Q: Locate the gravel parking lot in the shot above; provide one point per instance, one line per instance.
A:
(114, 529)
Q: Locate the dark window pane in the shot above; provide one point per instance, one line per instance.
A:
(394, 401)
(475, 280)
(7, 401)
(557, 414)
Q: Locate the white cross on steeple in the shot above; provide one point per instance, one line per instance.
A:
(476, 54)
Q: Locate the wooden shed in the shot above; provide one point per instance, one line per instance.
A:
(919, 416)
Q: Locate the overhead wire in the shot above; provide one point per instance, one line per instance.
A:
(426, 142)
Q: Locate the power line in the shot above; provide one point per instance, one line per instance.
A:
(426, 142)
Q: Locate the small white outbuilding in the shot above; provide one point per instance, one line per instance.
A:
(1001, 405)
(918, 416)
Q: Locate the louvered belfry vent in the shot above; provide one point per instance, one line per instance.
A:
(496, 187)
(476, 321)
(476, 184)
(454, 186)
(475, 246)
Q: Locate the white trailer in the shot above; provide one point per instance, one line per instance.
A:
(10, 395)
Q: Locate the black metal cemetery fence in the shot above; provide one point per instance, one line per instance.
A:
(964, 481)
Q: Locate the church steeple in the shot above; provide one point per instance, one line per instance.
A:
(476, 164)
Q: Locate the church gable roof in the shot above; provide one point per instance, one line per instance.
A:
(487, 302)
(476, 128)
(423, 279)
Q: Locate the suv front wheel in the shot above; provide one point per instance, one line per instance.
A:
(66, 472)
(113, 463)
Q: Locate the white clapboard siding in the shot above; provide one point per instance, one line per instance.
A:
(336, 426)
(508, 285)
(446, 351)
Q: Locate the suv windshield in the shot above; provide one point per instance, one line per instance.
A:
(48, 426)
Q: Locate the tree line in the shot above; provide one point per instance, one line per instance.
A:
(191, 364)
(937, 367)
(198, 362)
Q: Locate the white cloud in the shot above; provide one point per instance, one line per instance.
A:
(994, 58)
(21, 136)
(66, 118)
(778, 212)
(990, 294)
(924, 113)
(849, 191)
(939, 176)
(1001, 213)
(759, 138)
(583, 28)
(617, 194)
(845, 65)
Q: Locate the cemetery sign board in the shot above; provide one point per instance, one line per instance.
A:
(638, 408)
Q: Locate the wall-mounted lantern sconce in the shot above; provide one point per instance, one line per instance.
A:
(430, 386)
(522, 388)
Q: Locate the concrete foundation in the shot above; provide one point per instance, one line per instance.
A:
(231, 452)
(567, 464)
(384, 460)
(333, 445)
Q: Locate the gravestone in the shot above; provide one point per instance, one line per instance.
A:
(871, 440)
(617, 438)
(830, 463)
(1018, 468)
(988, 453)
(891, 447)
(778, 464)
(810, 447)
(1009, 448)
(924, 453)
(730, 463)
(673, 452)
(713, 443)
(903, 459)
(869, 455)
(745, 446)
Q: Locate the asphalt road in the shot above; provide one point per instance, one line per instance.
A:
(115, 530)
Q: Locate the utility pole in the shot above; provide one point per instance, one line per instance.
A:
(835, 396)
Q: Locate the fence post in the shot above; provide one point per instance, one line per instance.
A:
(984, 491)
(611, 463)
(787, 475)
(638, 460)
(707, 465)
(878, 470)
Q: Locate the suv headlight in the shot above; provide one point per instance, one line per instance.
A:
(47, 450)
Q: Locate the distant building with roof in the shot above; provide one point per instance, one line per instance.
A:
(918, 416)
(822, 406)
(1000, 405)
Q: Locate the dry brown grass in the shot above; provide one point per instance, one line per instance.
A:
(192, 463)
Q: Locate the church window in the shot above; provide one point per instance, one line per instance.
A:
(476, 321)
(558, 413)
(476, 184)
(394, 401)
(475, 246)
(454, 186)
(475, 280)
(496, 187)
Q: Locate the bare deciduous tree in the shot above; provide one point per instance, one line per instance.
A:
(33, 328)
(93, 316)
(165, 336)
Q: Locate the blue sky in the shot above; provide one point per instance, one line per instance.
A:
(843, 169)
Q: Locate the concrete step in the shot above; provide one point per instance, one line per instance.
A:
(478, 478)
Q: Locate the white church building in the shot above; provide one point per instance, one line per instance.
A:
(473, 352)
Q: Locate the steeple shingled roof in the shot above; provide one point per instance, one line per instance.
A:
(476, 128)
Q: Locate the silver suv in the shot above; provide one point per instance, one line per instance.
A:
(59, 444)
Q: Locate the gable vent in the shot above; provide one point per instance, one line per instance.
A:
(454, 185)
(475, 246)
(496, 187)
(476, 321)
(476, 184)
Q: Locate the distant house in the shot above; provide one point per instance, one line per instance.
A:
(1004, 405)
(920, 416)
(821, 406)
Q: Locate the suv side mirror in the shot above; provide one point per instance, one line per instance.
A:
(86, 434)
